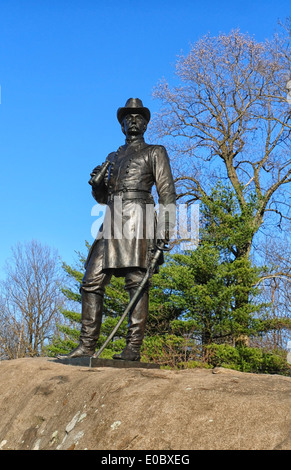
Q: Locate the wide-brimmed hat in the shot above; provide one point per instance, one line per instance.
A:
(133, 106)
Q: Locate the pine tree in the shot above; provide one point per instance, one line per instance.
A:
(215, 290)
(206, 289)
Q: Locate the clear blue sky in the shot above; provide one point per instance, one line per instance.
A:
(65, 68)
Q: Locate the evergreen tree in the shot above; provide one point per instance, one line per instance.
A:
(206, 289)
(215, 291)
(215, 287)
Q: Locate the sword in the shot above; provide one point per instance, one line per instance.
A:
(159, 248)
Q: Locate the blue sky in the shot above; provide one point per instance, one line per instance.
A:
(65, 68)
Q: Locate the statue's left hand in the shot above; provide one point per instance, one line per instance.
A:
(95, 171)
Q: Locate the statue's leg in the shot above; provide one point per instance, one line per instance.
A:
(137, 317)
(92, 308)
(92, 294)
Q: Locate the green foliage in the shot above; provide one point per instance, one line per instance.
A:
(228, 224)
(71, 315)
(173, 351)
(60, 346)
(210, 293)
(162, 310)
(246, 359)
(116, 298)
(166, 349)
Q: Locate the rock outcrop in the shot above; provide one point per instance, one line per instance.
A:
(45, 405)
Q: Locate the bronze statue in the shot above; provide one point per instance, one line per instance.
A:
(124, 183)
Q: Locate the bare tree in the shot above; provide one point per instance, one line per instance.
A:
(30, 300)
(229, 119)
(276, 291)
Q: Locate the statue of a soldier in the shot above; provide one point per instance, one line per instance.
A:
(126, 243)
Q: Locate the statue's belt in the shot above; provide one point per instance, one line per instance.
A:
(130, 194)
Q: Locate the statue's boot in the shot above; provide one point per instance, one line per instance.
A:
(136, 328)
(92, 307)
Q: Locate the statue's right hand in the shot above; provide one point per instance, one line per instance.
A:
(93, 174)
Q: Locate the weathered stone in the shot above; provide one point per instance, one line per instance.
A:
(141, 409)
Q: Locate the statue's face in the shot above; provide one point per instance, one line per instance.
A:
(134, 124)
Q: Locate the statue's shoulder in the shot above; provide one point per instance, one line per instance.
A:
(157, 149)
(111, 155)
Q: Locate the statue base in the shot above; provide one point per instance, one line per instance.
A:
(89, 361)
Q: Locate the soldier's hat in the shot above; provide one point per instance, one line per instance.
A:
(133, 106)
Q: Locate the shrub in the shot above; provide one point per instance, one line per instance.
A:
(246, 359)
(166, 349)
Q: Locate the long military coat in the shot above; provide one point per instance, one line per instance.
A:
(130, 227)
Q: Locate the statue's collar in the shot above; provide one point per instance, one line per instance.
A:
(134, 140)
(132, 145)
